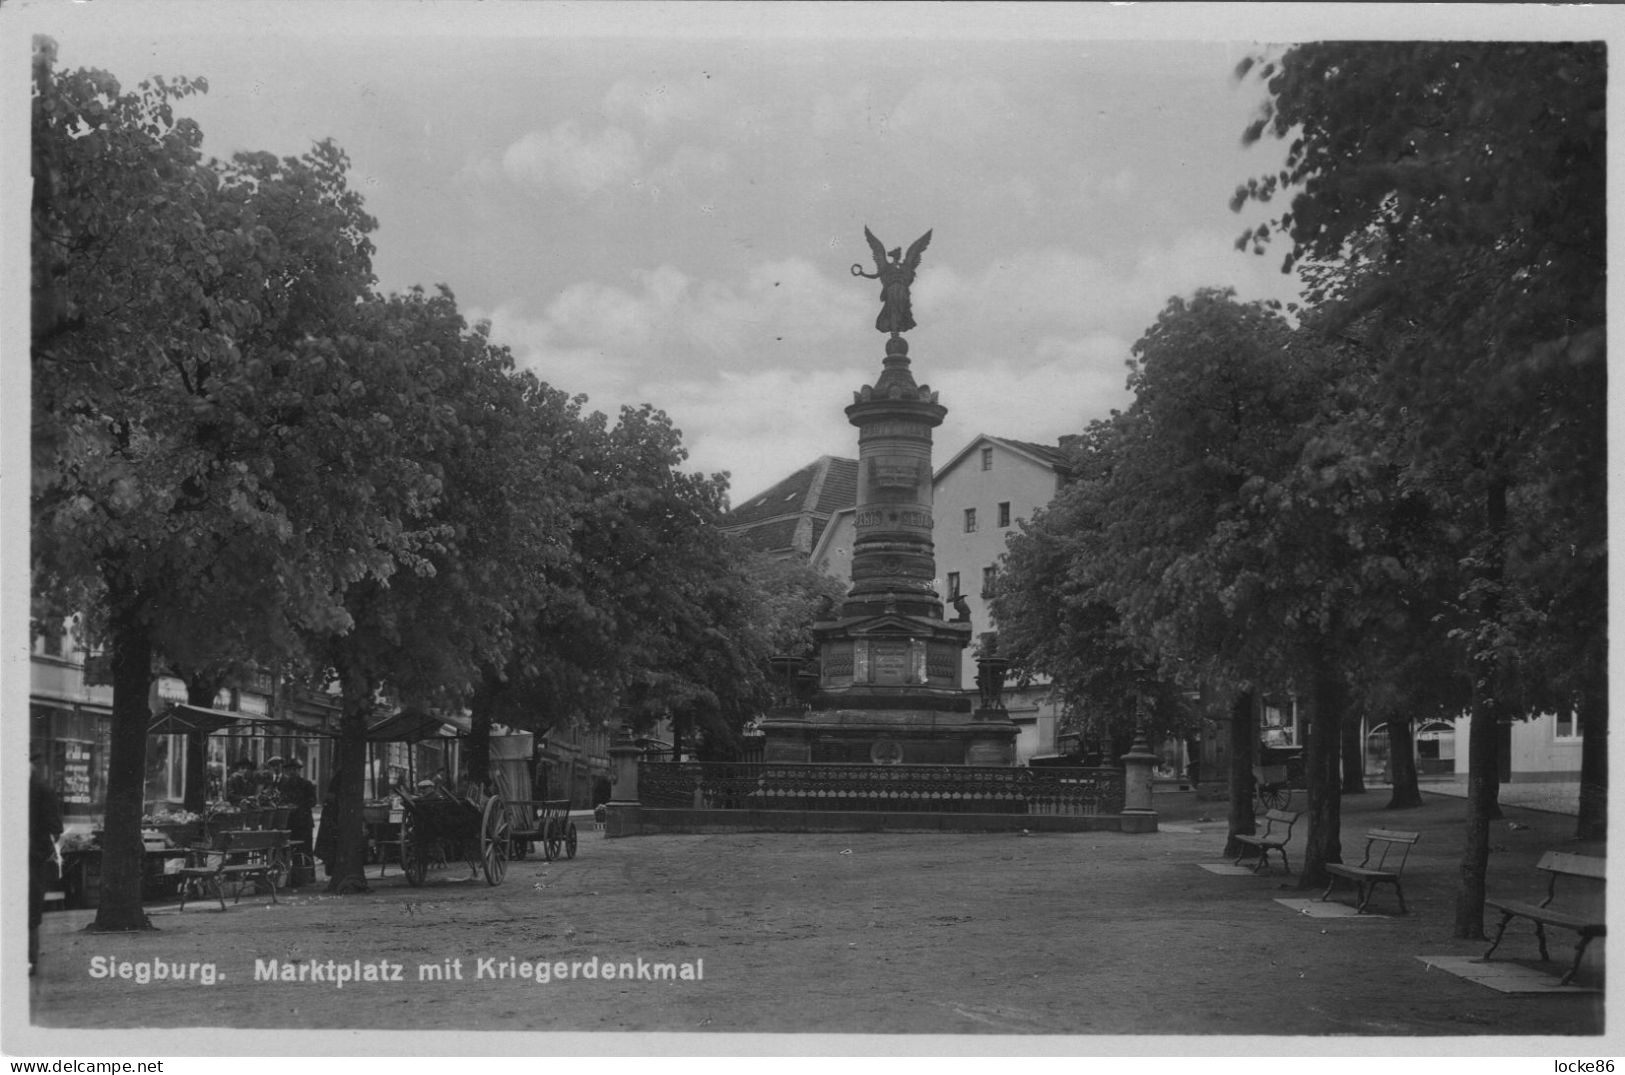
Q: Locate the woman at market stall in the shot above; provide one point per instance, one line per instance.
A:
(244, 781)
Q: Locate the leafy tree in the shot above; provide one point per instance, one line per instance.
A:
(149, 467)
(470, 525)
(1055, 622)
(1450, 197)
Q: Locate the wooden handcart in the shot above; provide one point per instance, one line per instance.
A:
(439, 826)
(1278, 773)
(543, 822)
(1274, 789)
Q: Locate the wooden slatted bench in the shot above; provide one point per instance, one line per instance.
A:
(239, 856)
(1277, 832)
(1392, 848)
(1581, 909)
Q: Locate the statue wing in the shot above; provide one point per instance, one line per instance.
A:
(876, 246)
(912, 260)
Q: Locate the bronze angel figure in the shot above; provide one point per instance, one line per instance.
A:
(895, 276)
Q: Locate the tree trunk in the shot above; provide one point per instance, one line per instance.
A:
(1353, 752)
(123, 854)
(350, 830)
(1325, 840)
(1402, 763)
(1483, 790)
(1593, 715)
(1483, 776)
(1243, 733)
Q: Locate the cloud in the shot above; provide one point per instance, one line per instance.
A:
(651, 104)
(833, 114)
(762, 424)
(567, 158)
(960, 111)
(687, 164)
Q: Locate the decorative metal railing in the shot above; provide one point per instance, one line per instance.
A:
(976, 789)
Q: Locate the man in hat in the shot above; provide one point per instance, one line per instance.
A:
(271, 778)
(299, 793)
(44, 826)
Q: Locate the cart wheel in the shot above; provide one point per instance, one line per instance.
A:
(414, 855)
(494, 840)
(570, 841)
(1275, 796)
(552, 840)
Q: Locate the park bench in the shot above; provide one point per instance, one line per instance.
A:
(1580, 910)
(238, 856)
(1392, 848)
(1277, 831)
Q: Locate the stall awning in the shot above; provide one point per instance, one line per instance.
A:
(180, 719)
(411, 725)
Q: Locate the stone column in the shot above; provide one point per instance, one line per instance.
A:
(893, 567)
(623, 812)
(1138, 816)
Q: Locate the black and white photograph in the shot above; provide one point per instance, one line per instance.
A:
(806, 529)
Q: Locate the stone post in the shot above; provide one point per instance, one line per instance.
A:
(1138, 816)
(623, 812)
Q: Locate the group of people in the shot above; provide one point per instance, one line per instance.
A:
(283, 783)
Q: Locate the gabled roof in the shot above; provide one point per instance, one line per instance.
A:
(1047, 455)
(838, 489)
(791, 514)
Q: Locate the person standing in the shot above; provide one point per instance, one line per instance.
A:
(299, 794)
(244, 782)
(44, 826)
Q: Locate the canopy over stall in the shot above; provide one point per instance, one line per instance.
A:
(415, 725)
(182, 719)
(410, 726)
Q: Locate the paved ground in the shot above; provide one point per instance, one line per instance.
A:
(1098, 934)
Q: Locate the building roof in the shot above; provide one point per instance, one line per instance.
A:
(1049, 455)
(791, 515)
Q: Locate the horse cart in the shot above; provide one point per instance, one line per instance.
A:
(544, 823)
(439, 826)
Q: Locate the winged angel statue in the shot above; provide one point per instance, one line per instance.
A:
(895, 276)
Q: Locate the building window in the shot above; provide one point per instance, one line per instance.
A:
(987, 458)
(990, 576)
(52, 642)
(1004, 513)
(970, 520)
(953, 585)
(1567, 726)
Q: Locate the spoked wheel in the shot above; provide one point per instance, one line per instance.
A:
(570, 841)
(414, 854)
(1275, 796)
(494, 840)
(553, 840)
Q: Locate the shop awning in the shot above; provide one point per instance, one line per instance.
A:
(180, 719)
(412, 725)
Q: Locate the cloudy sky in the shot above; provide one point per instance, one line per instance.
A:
(661, 204)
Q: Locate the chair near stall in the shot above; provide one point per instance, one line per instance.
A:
(382, 833)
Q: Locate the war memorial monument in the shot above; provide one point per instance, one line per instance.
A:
(889, 687)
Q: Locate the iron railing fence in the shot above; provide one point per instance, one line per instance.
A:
(978, 789)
